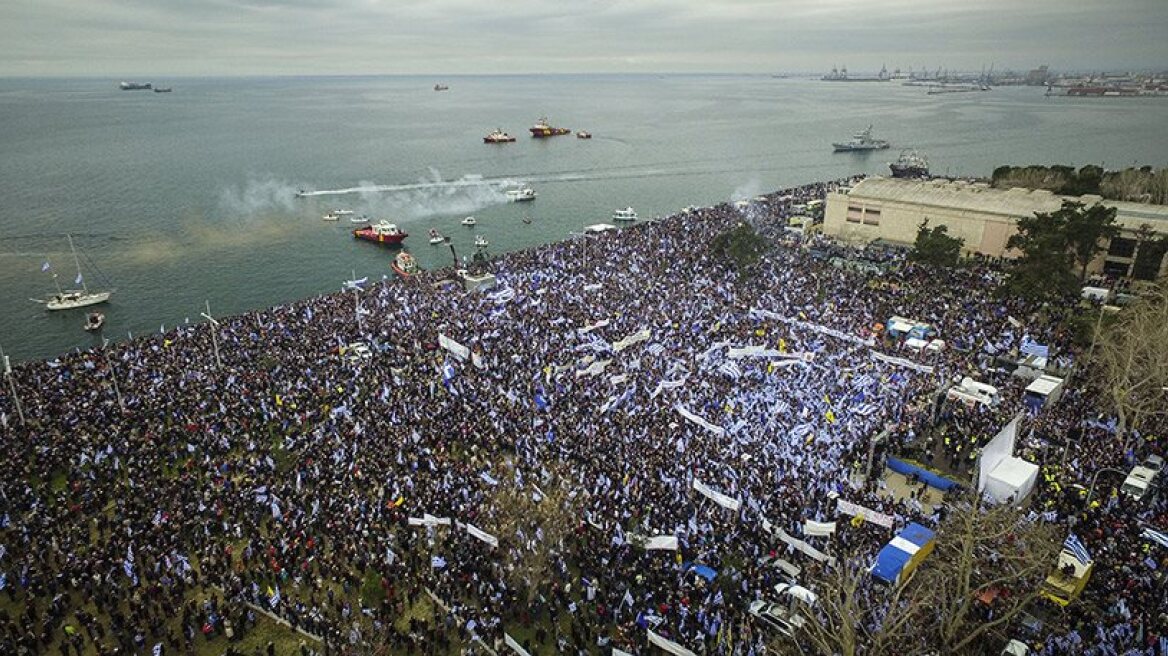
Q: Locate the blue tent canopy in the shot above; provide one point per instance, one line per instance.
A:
(903, 553)
(704, 571)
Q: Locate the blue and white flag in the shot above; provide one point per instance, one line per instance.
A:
(46, 266)
(3, 580)
(1031, 347)
(1074, 545)
(437, 562)
(541, 402)
(488, 479)
(1157, 537)
(77, 280)
(274, 600)
(158, 649)
(358, 284)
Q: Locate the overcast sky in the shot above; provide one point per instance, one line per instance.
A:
(241, 37)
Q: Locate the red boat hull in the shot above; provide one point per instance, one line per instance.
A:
(369, 235)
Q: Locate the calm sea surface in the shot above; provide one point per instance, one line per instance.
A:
(186, 197)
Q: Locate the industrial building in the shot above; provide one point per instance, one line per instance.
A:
(891, 210)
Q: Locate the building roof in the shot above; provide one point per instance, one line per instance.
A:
(980, 197)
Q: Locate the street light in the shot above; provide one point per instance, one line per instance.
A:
(1091, 490)
(12, 386)
(214, 329)
(113, 374)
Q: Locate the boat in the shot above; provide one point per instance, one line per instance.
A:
(441, 87)
(481, 242)
(68, 299)
(469, 221)
(134, 86)
(359, 219)
(841, 75)
(404, 265)
(331, 216)
(543, 129)
(498, 136)
(910, 164)
(861, 141)
(521, 194)
(583, 135)
(162, 90)
(436, 237)
(627, 214)
(382, 232)
(94, 321)
(342, 212)
(527, 220)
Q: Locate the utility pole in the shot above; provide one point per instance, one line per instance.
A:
(113, 374)
(214, 338)
(357, 302)
(12, 387)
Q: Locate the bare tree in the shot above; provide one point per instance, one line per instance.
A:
(1132, 366)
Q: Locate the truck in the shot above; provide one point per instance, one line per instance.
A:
(1138, 481)
(785, 615)
(1067, 580)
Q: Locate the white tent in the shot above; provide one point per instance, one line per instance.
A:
(1013, 477)
(1047, 388)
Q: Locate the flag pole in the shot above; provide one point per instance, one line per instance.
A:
(113, 374)
(356, 303)
(12, 386)
(214, 329)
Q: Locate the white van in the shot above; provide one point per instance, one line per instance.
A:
(1138, 481)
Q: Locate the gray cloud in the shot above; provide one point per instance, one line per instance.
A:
(226, 37)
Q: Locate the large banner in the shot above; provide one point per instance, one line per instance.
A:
(662, 542)
(816, 529)
(669, 645)
(800, 545)
(482, 535)
(428, 520)
(721, 499)
(639, 336)
(515, 646)
(867, 514)
(902, 362)
(458, 350)
(717, 430)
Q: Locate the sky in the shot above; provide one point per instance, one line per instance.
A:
(369, 37)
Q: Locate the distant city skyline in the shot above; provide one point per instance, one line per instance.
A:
(447, 37)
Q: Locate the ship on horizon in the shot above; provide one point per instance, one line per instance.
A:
(861, 141)
(135, 86)
(841, 75)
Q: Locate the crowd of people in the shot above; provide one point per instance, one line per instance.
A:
(345, 465)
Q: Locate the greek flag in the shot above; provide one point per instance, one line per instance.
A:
(437, 562)
(1074, 545)
(540, 401)
(358, 284)
(274, 600)
(656, 348)
(1157, 537)
(1031, 347)
(731, 369)
(77, 280)
(158, 649)
(45, 266)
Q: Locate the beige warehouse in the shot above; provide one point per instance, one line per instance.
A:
(892, 209)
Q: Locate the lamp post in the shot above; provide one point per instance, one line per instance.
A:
(113, 374)
(214, 338)
(1091, 490)
(12, 387)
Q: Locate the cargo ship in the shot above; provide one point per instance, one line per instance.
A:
(134, 86)
(383, 232)
(543, 129)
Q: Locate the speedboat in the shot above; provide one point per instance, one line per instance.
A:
(382, 232)
(331, 216)
(498, 136)
(627, 214)
(527, 220)
(583, 135)
(404, 265)
(469, 221)
(521, 194)
(358, 219)
(436, 237)
(94, 321)
(342, 212)
(481, 242)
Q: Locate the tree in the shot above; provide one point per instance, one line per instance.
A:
(935, 246)
(1087, 228)
(741, 245)
(1133, 361)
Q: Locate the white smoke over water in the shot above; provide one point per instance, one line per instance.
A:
(257, 197)
(747, 191)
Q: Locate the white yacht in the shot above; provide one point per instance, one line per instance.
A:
(521, 194)
(627, 214)
(469, 221)
(68, 299)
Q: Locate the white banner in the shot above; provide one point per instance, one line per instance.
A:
(617, 380)
(593, 369)
(458, 350)
(802, 546)
(903, 362)
(515, 646)
(637, 337)
(717, 430)
(589, 328)
(662, 542)
(667, 384)
(868, 515)
(718, 498)
(428, 520)
(482, 535)
(830, 332)
(815, 529)
(620, 652)
(669, 645)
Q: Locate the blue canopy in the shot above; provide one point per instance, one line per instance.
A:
(704, 571)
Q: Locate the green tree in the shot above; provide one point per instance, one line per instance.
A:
(1087, 229)
(935, 246)
(741, 245)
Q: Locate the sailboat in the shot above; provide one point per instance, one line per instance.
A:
(68, 299)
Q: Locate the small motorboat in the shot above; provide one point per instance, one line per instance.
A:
(342, 212)
(520, 194)
(404, 265)
(527, 220)
(331, 216)
(481, 242)
(94, 321)
(469, 221)
(358, 219)
(583, 135)
(627, 214)
(436, 237)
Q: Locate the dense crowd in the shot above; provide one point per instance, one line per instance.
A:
(314, 479)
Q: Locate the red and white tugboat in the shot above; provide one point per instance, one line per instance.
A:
(542, 129)
(404, 265)
(498, 136)
(382, 232)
